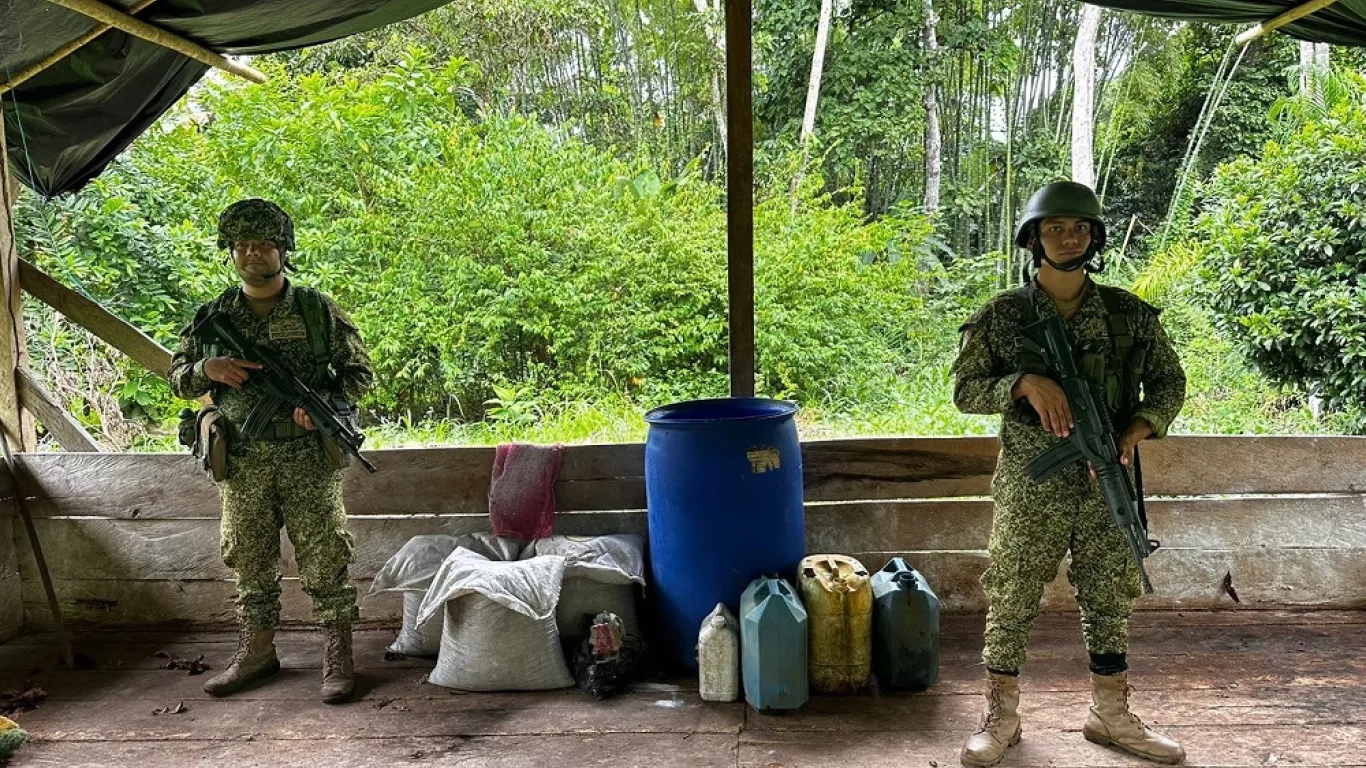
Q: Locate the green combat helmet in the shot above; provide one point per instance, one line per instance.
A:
(256, 219)
(1063, 198)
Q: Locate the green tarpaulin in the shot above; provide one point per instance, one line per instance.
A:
(1342, 23)
(63, 126)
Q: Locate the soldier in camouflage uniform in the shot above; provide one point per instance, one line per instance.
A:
(1122, 347)
(282, 475)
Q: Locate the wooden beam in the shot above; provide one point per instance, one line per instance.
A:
(1289, 17)
(740, 197)
(69, 432)
(66, 50)
(13, 347)
(120, 20)
(91, 316)
(11, 607)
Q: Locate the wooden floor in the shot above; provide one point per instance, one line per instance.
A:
(1249, 688)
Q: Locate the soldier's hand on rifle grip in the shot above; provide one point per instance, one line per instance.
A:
(301, 418)
(1137, 432)
(229, 370)
(1048, 400)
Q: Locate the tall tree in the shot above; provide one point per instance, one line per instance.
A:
(934, 144)
(813, 90)
(1083, 96)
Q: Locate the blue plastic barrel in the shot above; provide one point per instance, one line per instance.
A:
(723, 482)
(774, 650)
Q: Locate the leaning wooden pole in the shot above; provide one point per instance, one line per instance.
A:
(154, 34)
(37, 552)
(740, 198)
(1290, 16)
(61, 53)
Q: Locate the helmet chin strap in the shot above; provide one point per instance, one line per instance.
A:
(1067, 266)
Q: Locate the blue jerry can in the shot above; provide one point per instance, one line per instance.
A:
(773, 640)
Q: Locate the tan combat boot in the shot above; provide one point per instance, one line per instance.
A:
(254, 660)
(1110, 723)
(1000, 726)
(339, 674)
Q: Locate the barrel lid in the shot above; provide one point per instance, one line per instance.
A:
(721, 410)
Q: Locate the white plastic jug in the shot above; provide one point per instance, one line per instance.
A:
(718, 656)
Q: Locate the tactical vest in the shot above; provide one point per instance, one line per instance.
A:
(317, 329)
(1120, 372)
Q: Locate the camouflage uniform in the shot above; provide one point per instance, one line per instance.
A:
(284, 481)
(1035, 525)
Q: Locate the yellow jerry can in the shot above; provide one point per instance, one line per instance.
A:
(839, 606)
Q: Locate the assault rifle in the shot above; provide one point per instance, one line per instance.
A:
(283, 389)
(1092, 438)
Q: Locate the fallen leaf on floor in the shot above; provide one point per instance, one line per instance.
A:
(177, 709)
(195, 666)
(1227, 586)
(24, 700)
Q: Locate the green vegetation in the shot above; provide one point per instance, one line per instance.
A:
(533, 241)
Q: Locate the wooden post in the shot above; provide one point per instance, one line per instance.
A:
(13, 352)
(740, 197)
(11, 600)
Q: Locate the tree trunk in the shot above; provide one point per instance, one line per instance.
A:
(1084, 79)
(1306, 66)
(934, 145)
(718, 107)
(813, 91)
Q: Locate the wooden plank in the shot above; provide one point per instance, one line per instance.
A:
(97, 548)
(178, 603)
(1214, 674)
(410, 481)
(455, 480)
(892, 468)
(153, 548)
(94, 318)
(70, 434)
(1197, 465)
(693, 751)
(1319, 745)
(121, 650)
(1274, 522)
(1184, 578)
(454, 716)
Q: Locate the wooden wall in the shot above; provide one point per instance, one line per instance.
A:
(133, 538)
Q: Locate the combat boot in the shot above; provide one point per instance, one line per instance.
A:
(339, 673)
(254, 660)
(1000, 725)
(1110, 723)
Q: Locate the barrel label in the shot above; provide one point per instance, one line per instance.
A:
(763, 460)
